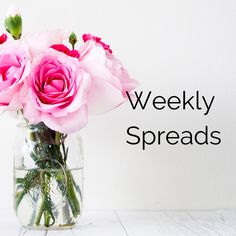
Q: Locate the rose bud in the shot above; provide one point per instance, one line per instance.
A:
(13, 22)
(73, 39)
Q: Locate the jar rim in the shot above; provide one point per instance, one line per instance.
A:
(22, 125)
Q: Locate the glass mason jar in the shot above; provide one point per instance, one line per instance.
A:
(48, 177)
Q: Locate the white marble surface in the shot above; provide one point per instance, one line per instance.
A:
(136, 223)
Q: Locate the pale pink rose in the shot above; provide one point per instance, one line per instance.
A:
(14, 68)
(39, 42)
(57, 92)
(109, 79)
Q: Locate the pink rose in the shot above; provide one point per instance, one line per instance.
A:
(109, 79)
(57, 92)
(14, 68)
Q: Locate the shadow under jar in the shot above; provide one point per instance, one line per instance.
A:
(48, 177)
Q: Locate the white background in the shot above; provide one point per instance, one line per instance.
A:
(168, 46)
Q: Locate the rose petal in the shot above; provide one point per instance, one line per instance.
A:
(66, 124)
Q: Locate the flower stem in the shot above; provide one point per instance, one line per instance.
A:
(40, 213)
(48, 205)
(72, 198)
(19, 197)
(45, 206)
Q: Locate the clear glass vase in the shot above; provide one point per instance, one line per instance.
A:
(48, 177)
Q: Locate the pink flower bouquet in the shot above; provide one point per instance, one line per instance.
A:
(54, 82)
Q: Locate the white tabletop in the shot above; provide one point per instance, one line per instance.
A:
(135, 223)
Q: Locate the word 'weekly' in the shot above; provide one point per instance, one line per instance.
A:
(185, 101)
